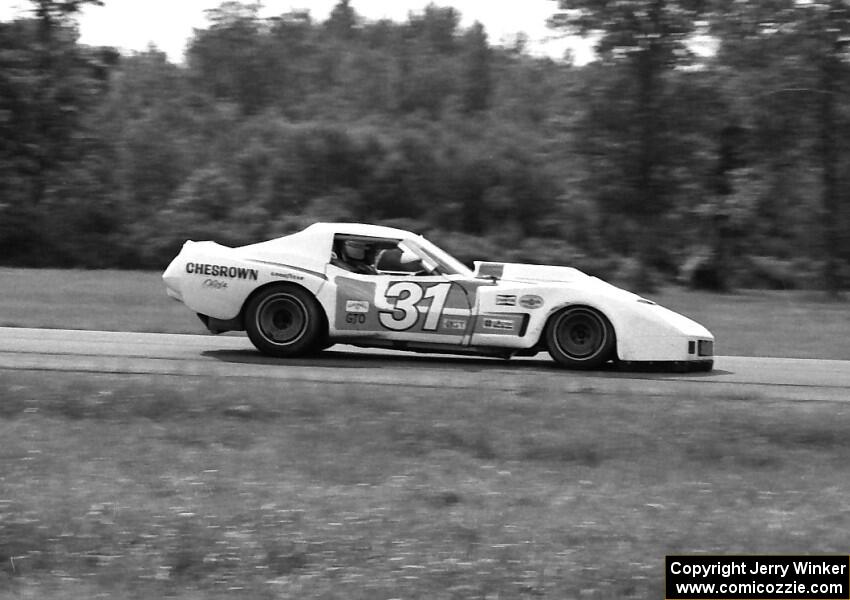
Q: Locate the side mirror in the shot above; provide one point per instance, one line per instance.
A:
(488, 270)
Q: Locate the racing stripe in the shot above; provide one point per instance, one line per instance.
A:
(464, 293)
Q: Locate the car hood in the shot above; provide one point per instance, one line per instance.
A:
(549, 279)
(546, 275)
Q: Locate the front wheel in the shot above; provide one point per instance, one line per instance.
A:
(284, 321)
(580, 337)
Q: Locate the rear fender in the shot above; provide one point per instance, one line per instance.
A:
(322, 309)
(214, 281)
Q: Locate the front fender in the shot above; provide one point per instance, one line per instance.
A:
(650, 332)
(644, 330)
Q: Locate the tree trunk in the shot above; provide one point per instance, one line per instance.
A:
(647, 190)
(828, 169)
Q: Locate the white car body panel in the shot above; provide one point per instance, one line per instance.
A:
(502, 306)
(196, 277)
(645, 331)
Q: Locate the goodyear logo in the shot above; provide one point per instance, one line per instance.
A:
(531, 301)
(221, 271)
(292, 276)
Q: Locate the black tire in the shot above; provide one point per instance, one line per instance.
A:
(284, 321)
(580, 337)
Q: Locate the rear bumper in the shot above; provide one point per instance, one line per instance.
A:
(217, 326)
(171, 279)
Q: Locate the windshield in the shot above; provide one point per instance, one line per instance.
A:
(447, 264)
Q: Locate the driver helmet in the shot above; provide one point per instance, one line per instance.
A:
(354, 250)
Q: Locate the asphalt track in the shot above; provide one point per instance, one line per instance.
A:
(170, 355)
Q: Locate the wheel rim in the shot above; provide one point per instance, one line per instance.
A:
(580, 334)
(282, 319)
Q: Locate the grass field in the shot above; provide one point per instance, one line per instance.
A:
(749, 323)
(142, 487)
(133, 487)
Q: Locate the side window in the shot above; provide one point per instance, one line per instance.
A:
(360, 254)
(393, 261)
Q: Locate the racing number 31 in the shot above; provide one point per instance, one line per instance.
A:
(407, 296)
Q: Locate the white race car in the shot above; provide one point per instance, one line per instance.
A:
(381, 287)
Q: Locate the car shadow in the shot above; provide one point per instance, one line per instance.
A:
(340, 359)
(357, 360)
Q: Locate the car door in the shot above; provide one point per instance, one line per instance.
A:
(413, 308)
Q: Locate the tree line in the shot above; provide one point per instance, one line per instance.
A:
(725, 166)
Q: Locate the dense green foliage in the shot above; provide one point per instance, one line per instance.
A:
(651, 160)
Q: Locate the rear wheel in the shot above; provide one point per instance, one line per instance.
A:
(284, 320)
(580, 337)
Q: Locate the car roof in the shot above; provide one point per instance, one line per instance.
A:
(359, 229)
(311, 247)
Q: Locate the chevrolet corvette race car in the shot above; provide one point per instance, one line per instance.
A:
(374, 286)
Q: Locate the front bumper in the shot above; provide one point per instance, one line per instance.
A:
(677, 353)
(678, 347)
(666, 366)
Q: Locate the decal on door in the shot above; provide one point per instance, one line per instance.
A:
(410, 301)
(403, 306)
(501, 324)
(354, 308)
